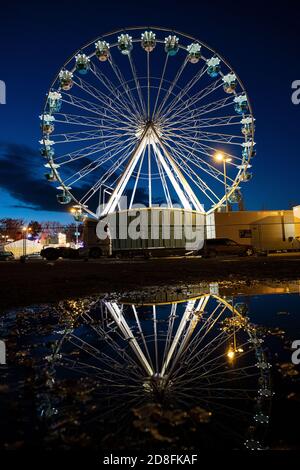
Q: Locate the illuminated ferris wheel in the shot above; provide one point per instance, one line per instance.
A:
(151, 114)
(200, 355)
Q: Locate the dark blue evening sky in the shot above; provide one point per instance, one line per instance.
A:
(259, 39)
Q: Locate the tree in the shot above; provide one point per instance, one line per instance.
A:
(35, 229)
(11, 228)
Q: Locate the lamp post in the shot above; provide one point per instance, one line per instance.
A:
(25, 232)
(220, 157)
(79, 217)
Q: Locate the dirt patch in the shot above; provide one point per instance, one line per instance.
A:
(38, 282)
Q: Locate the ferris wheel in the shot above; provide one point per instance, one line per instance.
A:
(200, 355)
(151, 114)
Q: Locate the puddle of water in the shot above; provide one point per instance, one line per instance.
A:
(180, 369)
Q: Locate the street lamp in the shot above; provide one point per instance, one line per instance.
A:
(76, 211)
(25, 232)
(220, 157)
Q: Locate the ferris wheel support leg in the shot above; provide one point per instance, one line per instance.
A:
(192, 197)
(118, 317)
(119, 189)
(191, 314)
(185, 318)
(193, 323)
(184, 201)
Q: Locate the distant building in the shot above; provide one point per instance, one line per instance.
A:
(265, 230)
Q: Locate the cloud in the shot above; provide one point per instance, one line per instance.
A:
(22, 177)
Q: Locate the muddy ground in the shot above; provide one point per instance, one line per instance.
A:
(40, 281)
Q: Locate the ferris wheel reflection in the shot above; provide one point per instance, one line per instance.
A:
(150, 363)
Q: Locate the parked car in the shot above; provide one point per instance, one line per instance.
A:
(34, 256)
(224, 246)
(6, 256)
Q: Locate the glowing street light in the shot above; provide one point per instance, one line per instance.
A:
(25, 232)
(76, 212)
(221, 157)
(232, 351)
(230, 354)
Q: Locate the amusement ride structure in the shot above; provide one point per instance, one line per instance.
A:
(151, 114)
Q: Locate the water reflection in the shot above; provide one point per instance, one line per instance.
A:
(148, 371)
(177, 369)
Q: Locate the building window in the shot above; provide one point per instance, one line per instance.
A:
(245, 233)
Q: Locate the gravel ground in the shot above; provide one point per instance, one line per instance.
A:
(39, 281)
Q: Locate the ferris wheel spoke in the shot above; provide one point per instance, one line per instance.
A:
(208, 374)
(137, 84)
(148, 86)
(120, 320)
(189, 105)
(125, 87)
(73, 119)
(105, 100)
(192, 101)
(218, 137)
(183, 189)
(122, 353)
(204, 188)
(94, 165)
(186, 89)
(90, 107)
(140, 329)
(130, 207)
(149, 174)
(212, 151)
(211, 346)
(185, 116)
(198, 162)
(164, 183)
(171, 321)
(87, 348)
(209, 364)
(160, 85)
(125, 103)
(106, 176)
(195, 358)
(206, 327)
(171, 88)
(109, 375)
(220, 121)
(155, 337)
(198, 143)
(204, 370)
(86, 151)
(208, 152)
(239, 374)
(101, 182)
(83, 136)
